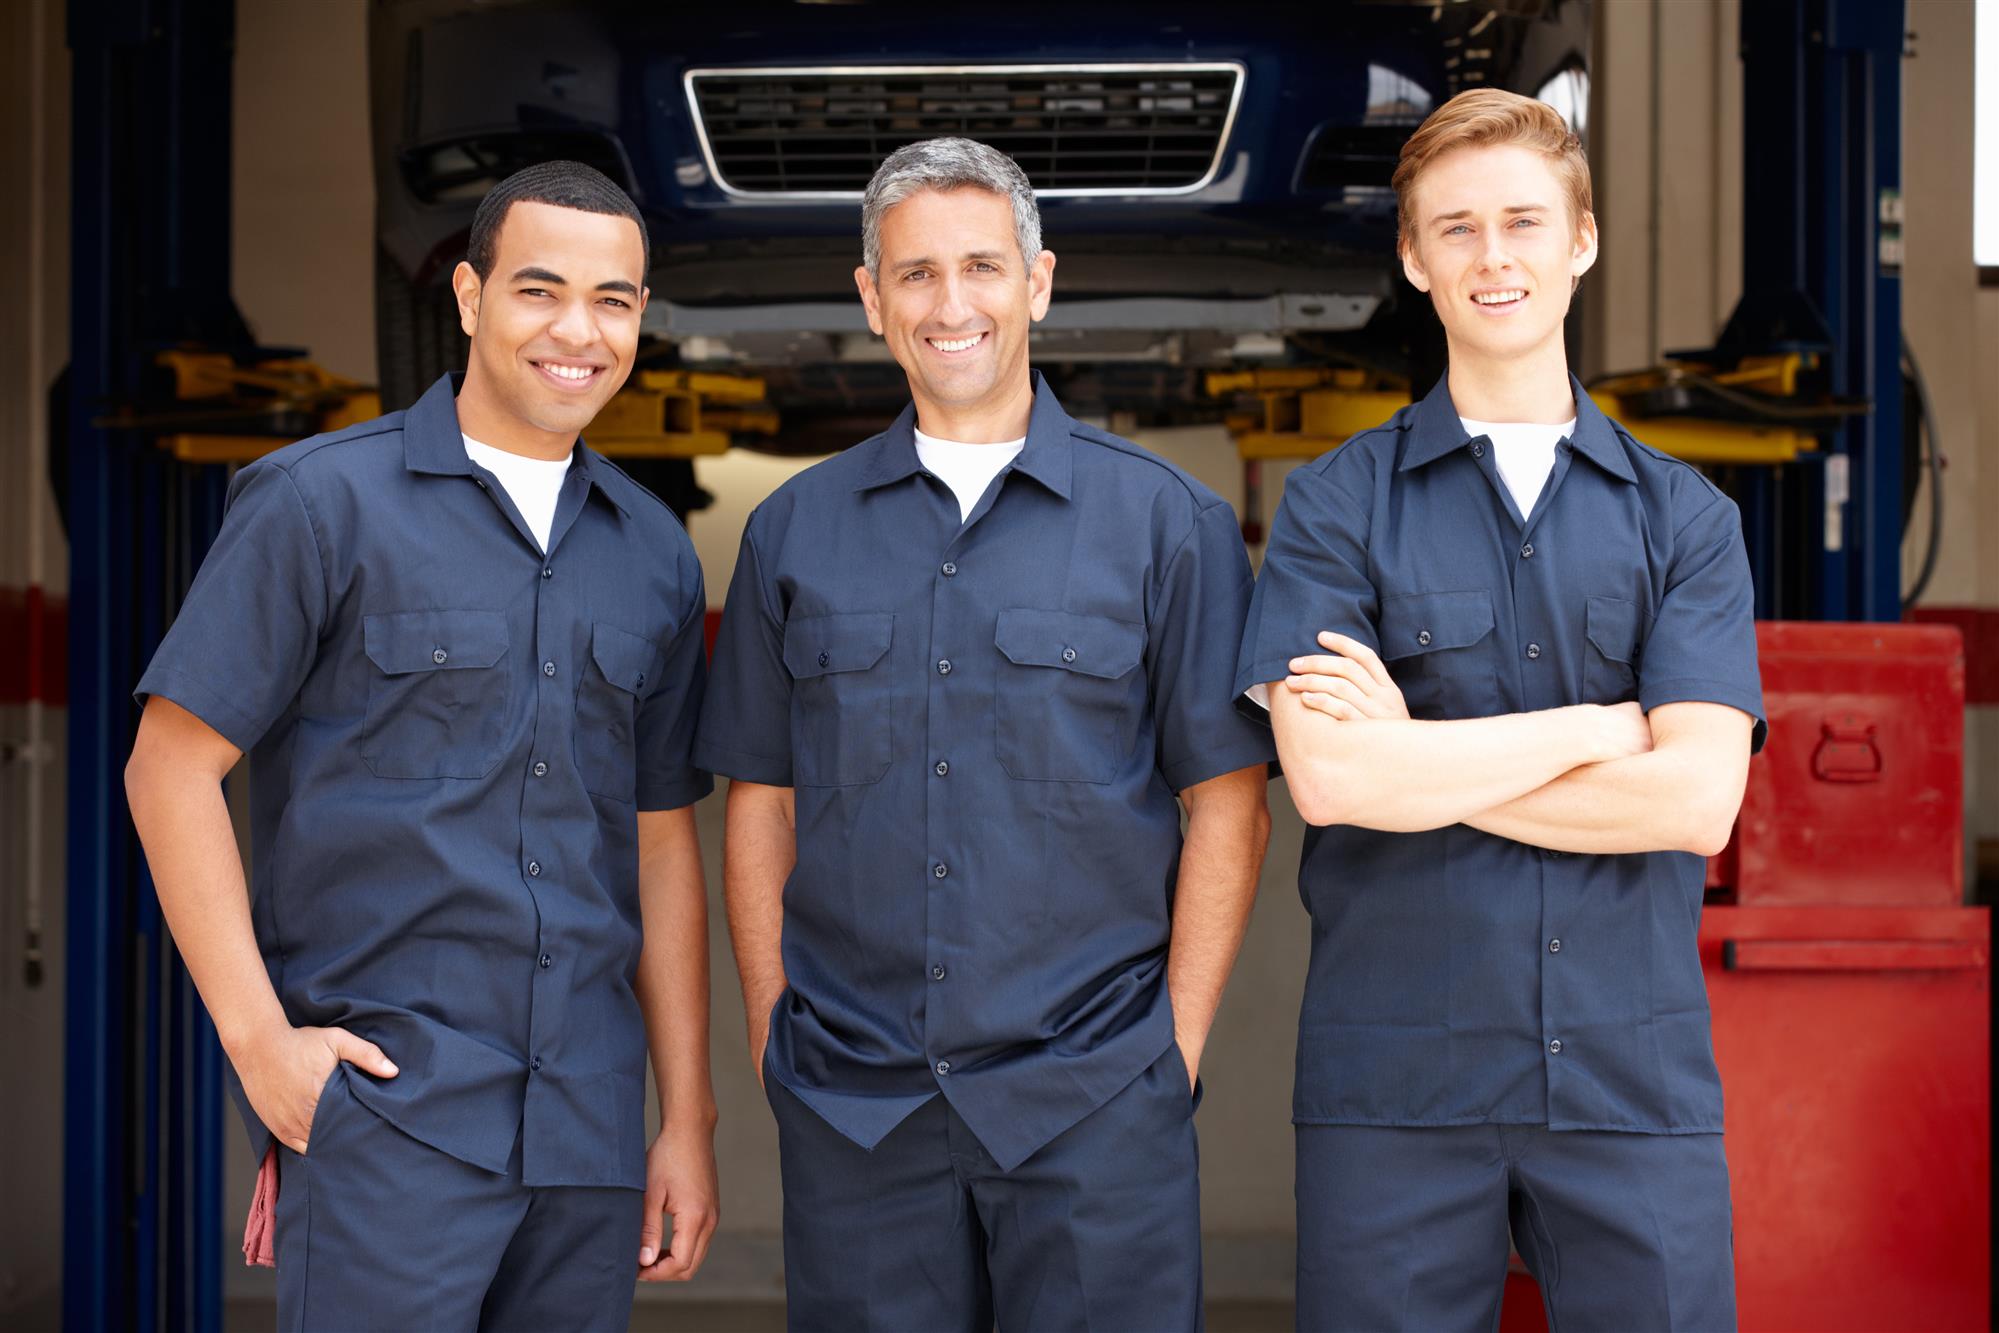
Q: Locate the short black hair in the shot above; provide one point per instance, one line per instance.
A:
(564, 184)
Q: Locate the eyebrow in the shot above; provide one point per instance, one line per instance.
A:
(1510, 208)
(533, 274)
(907, 264)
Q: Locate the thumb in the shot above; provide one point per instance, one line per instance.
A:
(364, 1055)
(649, 1231)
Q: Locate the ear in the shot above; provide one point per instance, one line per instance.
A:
(645, 294)
(1412, 265)
(870, 298)
(465, 285)
(1040, 284)
(1585, 251)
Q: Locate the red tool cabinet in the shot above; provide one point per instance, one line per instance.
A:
(1850, 994)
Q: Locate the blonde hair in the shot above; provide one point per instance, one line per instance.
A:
(1485, 118)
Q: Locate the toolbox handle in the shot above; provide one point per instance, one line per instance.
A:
(1847, 750)
(1851, 955)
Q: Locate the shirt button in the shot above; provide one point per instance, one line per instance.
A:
(534, 868)
(1527, 551)
(540, 769)
(950, 570)
(547, 571)
(937, 973)
(1554, 946)
(943, 768)
(943, 1066)
(642, 680)
(1477, 449)
(546, 961)
(943, 666)
(548, 668)
(1068, 654)
(825, 658)
(941, 870)
(535, 1064)
(1533, 650)
(438, 657)
(1423, 638)
(1555, 1046)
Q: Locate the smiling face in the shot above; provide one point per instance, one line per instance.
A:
(954, 300)
(1495, 246)
(554, 327)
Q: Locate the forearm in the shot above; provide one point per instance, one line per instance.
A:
(1682, 795)
(183, 824)
(1407, 775)
(760, 849)
(1220, 863)
(672, 985)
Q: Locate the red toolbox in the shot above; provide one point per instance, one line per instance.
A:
(1851, 997)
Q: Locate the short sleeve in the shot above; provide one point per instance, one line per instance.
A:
(1196, 620)
(1702, 644)
(746, 718)
(1314, 578)
(246, 638)
(668, 777)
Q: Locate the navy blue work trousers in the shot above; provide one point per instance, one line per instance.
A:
(1100, 1230)
(376, 1230)
(1406, 1229)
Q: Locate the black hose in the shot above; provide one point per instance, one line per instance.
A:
(1933, 458)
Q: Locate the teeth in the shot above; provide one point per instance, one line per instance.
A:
(956, 344)
(569, 372)
(1499, 298)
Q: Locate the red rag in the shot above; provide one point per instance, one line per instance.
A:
(260, 1232)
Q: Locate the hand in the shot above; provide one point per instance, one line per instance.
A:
(1350, 685)
(1623, 732)
(680, 1181)
(284, 1075)
(1190, 1056)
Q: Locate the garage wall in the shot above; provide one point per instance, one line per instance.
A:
(34, 335)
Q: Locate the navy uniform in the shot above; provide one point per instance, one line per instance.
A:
(985, 723)
(451, 735)
(1493, 1032)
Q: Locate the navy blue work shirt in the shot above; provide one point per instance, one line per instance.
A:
(985, 724)
(1457, 977)
(451, 735)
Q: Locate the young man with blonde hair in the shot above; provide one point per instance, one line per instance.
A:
(1527, 717)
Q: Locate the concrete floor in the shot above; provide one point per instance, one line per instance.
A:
(745, 1317)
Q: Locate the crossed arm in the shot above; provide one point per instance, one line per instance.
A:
(1586, 778)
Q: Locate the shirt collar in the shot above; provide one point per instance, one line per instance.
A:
(1437, 430)
(1046, 456)
(432, 442)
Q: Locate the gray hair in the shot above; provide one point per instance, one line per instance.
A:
(948, 164)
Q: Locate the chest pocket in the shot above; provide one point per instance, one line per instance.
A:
(1067, 700)
(1439, 649)
(1610, 663)
(840, 699)
(438, 697)
(607, 706)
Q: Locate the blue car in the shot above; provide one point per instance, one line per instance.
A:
(1214, 180)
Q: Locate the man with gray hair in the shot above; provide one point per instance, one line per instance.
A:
(965, 669)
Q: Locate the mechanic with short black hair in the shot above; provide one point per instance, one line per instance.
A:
(466, 654)
(965, 670)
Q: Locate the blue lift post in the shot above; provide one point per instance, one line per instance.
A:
(1821, 221)
(142, 1218)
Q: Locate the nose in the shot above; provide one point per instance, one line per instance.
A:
(1493, 256)
(573, 326)
(953, 304)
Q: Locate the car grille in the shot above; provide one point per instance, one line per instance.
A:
(1077, 129)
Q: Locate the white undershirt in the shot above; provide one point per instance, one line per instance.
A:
(533, 484)
(966, 468)
(1524, 452)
